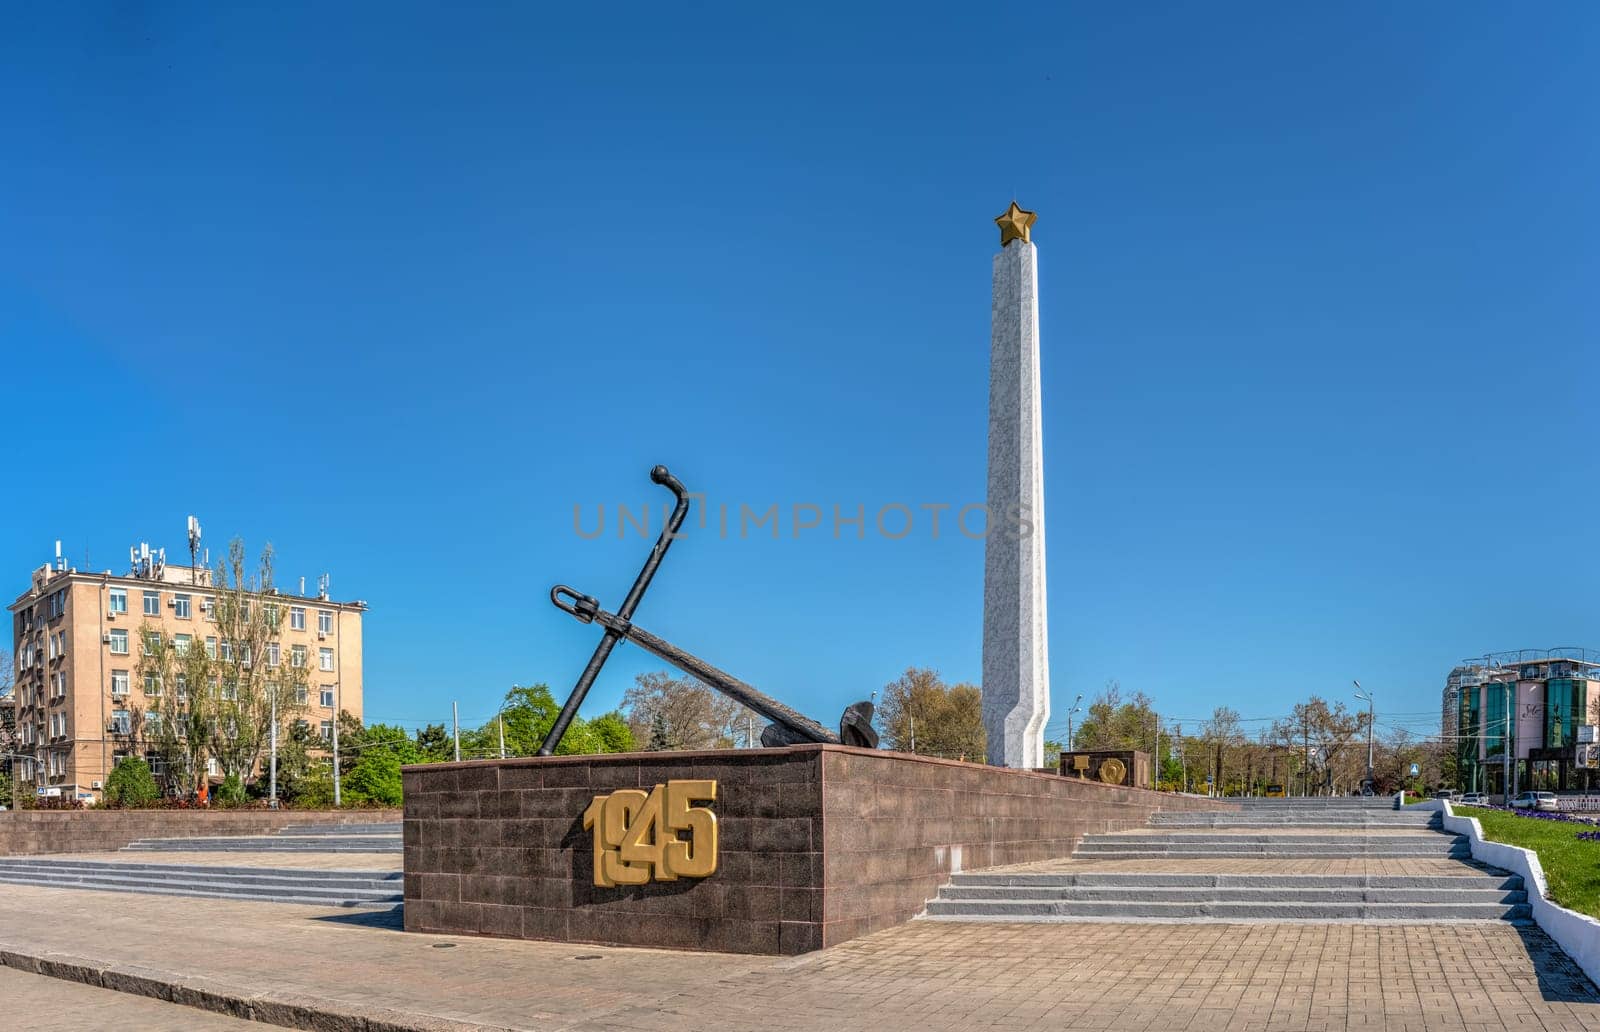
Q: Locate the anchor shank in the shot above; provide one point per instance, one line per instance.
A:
(735, 689)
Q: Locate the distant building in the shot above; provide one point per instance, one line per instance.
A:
(75, 642)
(1543, 704)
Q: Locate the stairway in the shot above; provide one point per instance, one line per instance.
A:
(310, 838)
(257, 884)
(1272, 860)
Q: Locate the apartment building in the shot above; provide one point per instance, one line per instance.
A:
(1529, 714)
(76, 639)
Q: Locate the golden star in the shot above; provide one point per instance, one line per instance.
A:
(1016, 224)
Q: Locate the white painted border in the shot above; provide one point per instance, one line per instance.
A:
(1577, 934)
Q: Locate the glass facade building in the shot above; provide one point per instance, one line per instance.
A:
(1556, 702)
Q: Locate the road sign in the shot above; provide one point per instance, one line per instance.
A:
(1208, 779)
(1415, 770)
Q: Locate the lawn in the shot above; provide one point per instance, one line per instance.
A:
(1571, 865)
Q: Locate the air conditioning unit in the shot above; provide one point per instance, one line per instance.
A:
(105, 639)
(322, 635)
(96, 785)
(111, 614)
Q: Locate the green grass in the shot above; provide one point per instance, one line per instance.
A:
(1571, 865)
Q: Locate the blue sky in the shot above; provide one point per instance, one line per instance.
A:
(397, 287)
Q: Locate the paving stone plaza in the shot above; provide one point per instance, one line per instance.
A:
(1300, 916)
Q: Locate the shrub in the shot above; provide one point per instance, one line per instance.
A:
(131, 784)
(230, 793)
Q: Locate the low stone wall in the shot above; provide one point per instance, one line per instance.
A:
(818, 844)
(26, 832)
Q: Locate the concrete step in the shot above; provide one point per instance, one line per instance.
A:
(1271, 853)
(1213, 894)
(358, 881)
(1357, 820)
(385, 828)
(221, 888)
(321, 888)
(1318, 838)
(1066, 910)
(1490, 878)
(272, 844)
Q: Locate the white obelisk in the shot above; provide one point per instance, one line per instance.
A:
(1016, 661)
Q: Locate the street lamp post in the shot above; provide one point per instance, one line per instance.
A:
(1077, 704)
(1367, 697)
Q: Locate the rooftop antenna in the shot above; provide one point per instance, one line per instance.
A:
(302, 587)
(322, 586)
(61, 564)
(194, 549)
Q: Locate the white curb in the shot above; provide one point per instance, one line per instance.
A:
(1577, 934)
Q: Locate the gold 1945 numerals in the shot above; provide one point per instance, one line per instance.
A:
(637, 836)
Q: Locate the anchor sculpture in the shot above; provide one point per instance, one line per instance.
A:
(786, 727)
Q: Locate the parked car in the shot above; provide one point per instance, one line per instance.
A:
(1536, 801)
(1449, 795)
(1473, 799)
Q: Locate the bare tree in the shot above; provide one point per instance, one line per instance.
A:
(666, 712)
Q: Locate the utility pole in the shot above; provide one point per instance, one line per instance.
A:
(455, 722)
(336, 796)
(272, 785)
(1506, 744)
(1367, 695)
(502, 717)
(1155, 775)
(913, 734)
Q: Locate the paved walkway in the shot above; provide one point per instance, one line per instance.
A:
(42, 1004)
(921, 977)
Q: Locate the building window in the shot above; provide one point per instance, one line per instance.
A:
(211, 647)
(118, 602)
(297, 656)
(230, 690)
(324, 621)
(121, 722)
(152, 724)
(61, 684)
(119, 684)
(325, 658)
(119, 642)
(327, 696)
(300, 696)
(227, 650)
(152, 603)
(297, 618)
(244, 610)
(180, 606)
(327, 730)
(274, 654)
(152, 642)
(152, 685)
(181, 643)
(181, 683)
(209, 606)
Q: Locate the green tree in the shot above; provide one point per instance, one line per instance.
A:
(131, 784)
(434, 744)
(942, 720)
(296, 762)
(216, 698)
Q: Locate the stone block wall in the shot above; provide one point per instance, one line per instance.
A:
(818, 844)
(896, 826)
(27, 832)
